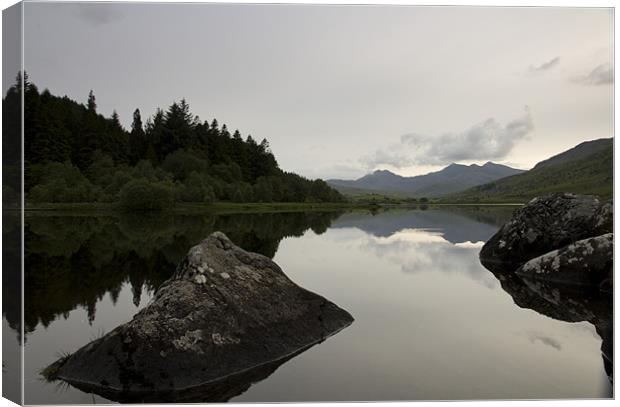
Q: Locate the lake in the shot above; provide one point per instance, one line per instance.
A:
(431, 323)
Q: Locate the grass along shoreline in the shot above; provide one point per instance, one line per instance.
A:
(248, 207)
(220, 207)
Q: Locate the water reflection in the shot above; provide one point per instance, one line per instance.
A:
(458, 224)
(564, 303)
(11, 305)
(73, 261)
(216, 391)
(431, 322)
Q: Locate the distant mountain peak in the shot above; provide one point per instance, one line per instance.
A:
(450, 179)
(384, 172)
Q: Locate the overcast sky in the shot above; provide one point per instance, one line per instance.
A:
(342, 90)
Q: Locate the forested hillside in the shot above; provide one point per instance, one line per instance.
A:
(75, 154)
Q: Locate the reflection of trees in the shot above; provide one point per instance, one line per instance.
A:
(11, 269)
(73, 261)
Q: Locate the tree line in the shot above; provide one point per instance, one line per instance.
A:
(75, 154)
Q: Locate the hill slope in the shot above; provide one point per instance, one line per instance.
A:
(577, 170)
(578, 152)
(453, 178)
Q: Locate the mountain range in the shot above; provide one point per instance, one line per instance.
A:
(585, 169)
(453, 178)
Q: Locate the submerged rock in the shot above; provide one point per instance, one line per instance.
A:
(586, 262)
(545, 224)
(224, 314)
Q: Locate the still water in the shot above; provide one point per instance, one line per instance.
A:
(431, 323)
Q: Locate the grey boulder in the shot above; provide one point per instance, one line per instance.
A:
(223, 315)
(587, 262)
(547, 223)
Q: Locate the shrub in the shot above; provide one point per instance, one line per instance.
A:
(144, 169)
(99, 171)
(239, 192)
(62, 182)
(143, 195)
(182, 163)
(228, 173)
(196, 188)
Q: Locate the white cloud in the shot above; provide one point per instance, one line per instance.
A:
(382, 157)
(488, 140)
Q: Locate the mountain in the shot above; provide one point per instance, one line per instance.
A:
(458, 225)
(584, 169)
(453, 178)
(580, 151)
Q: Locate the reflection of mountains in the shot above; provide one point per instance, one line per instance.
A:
(565, 304)
(457, 225)
(73, 261)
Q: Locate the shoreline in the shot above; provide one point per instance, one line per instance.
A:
(250, 207)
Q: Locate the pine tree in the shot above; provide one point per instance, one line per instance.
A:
(92, 106)
(225, 132)
(137, 139)
(116, 121)
(68, 134)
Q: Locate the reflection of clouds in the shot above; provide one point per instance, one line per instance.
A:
(422, 251)
(544, 339)
(476, 245)
(454, 227)
(412, 235)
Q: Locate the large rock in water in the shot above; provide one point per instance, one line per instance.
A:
(545, 224)
(555, 256)
(224, 314)
(586, 262)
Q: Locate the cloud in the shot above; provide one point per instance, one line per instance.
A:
(344, 170)
(544, 66)
(545, 340)
(98, 14)
(485, 141)
(381, 157)
(601, 75)
(423, 251)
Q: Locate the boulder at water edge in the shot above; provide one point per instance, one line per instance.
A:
(224, 312)
(586, 262)
(545, 224)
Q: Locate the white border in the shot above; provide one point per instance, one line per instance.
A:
(518, 3)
